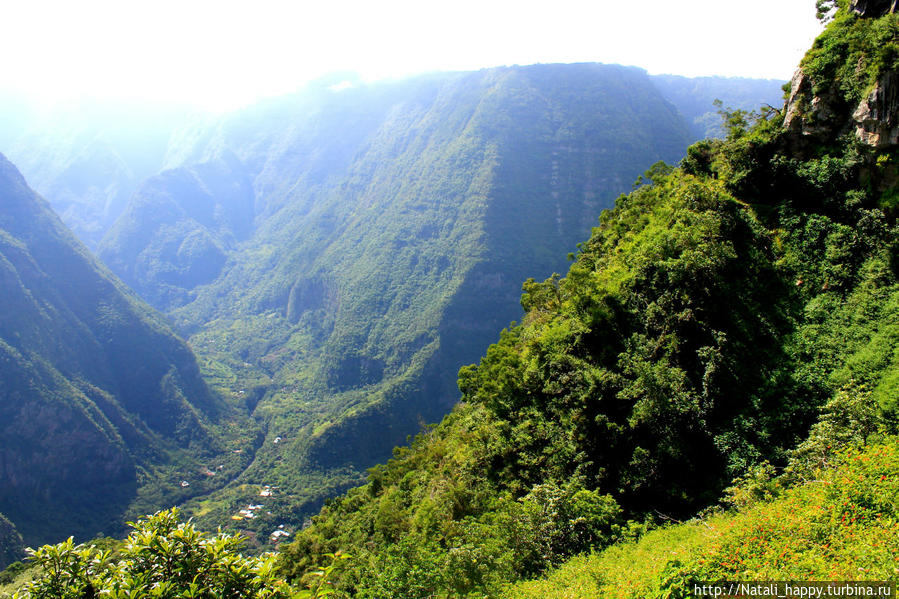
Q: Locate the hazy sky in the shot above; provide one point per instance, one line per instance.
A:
(223, 54)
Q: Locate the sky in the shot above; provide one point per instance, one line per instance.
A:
(221, 54)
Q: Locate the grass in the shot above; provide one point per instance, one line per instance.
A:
(841, 525)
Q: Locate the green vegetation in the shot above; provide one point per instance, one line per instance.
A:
(102, 407)
(839, 524)
(333, 274)
(695, 98)
(11, 546)
(162, 557)
(730, 319)
(852, 54)
(394, 223)
(176, 230)
(709, 392)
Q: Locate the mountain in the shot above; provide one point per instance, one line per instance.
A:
(725, 339)
(99, 400)
(88, 158)
(393, 225)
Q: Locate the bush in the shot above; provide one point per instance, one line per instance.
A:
(162, 558)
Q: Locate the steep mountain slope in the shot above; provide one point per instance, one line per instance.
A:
(394, 223)
(11, 546)
(177, 230)
(733, 318)
(95, 390)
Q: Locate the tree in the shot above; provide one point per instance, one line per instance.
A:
(825, 9)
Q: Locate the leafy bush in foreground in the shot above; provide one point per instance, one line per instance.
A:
(161, 558)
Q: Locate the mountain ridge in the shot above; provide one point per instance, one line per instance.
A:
(96, 389)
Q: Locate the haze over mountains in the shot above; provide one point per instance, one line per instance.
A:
(332, 257)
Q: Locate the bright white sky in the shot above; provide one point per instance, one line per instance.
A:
(223, 54)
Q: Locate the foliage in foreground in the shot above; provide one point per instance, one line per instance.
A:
(161, 558)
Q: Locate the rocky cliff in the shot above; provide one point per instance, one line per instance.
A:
(872, 8)
(855, 91)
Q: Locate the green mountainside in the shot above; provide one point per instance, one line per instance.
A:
(732, 319)
(101, 405)
(11, 546)
(177, 229)
(393, 224)
(334, 256)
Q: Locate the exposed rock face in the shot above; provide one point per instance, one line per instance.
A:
(873, 8)
(877, 116)
(806, 113)
(875, 119)
(798, 84)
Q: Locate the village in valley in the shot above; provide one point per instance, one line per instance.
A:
(251, 510)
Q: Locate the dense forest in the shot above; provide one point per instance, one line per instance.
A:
(710, 392)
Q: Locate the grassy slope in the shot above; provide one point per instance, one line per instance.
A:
(841, 525)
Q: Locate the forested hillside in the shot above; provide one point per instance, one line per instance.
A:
(101, 406)
(11, 545)
(178, 229)
(732, 319)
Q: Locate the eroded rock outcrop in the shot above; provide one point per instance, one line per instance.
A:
(877, 116)
(857, 97)
(821, 115)
(810, 114)
(873, 8)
